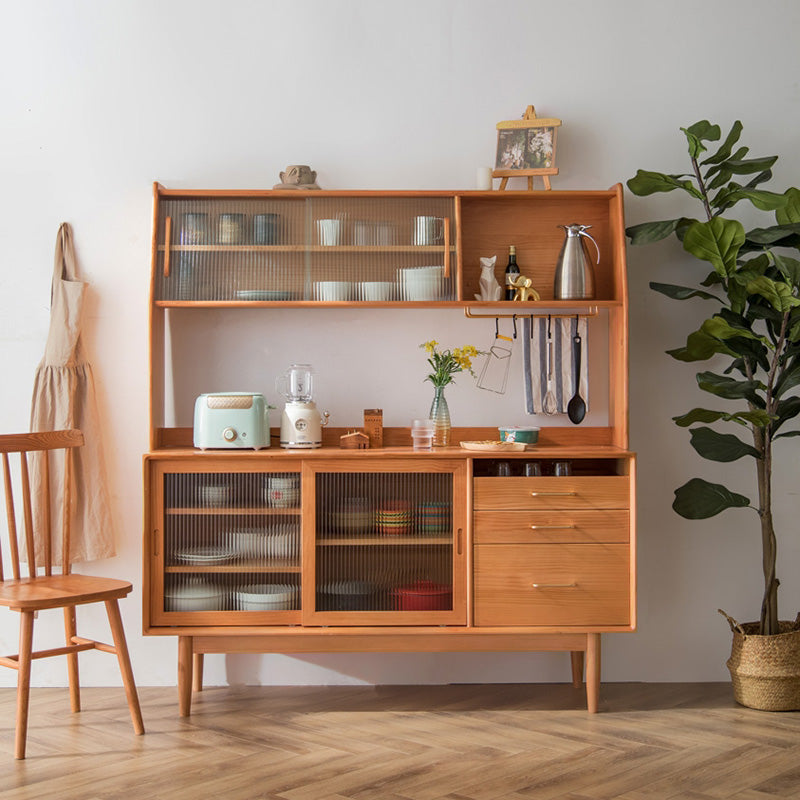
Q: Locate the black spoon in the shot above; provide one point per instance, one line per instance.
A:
(576, 408)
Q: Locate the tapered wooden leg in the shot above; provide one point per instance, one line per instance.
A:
(592, 672)
(185, 675)
(197, 679)
(70, 630)
(576, 660)
(118, 632)
(23, 681)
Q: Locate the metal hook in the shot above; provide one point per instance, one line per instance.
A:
(530, 318)
(514, 321)
(549, 331)
(496, 327)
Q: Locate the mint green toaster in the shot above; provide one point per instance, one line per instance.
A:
(231, 420)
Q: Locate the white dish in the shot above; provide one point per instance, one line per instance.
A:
(265, 597)
(194, 595)
(375, 291)
(205, 555)
(328, 291)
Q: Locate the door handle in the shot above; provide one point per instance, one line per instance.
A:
(554, 585)
(551, 527)
(553, 494)
(167, 244)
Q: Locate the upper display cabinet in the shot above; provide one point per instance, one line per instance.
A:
(370, 247)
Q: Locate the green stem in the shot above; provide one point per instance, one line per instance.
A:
(701, 185)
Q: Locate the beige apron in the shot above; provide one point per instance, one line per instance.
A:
(63, 397)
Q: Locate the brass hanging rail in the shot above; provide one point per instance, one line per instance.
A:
(591, 311)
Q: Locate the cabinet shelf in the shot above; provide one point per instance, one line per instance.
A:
(385, 541)
(232, 511)
(273, 565)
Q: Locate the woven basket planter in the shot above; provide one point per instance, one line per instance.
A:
(765, 670)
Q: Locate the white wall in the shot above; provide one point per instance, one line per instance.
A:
(99, 99)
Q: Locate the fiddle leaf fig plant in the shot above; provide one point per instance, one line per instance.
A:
(752, 336)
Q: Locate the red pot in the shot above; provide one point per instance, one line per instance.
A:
(423, 596)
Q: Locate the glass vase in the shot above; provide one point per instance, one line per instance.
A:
(440, 415)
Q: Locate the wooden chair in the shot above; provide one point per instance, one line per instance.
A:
(29, 595)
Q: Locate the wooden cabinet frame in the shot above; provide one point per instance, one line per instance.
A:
(601, 515)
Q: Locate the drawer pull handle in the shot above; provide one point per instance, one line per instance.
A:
(550, 527)
(553, 494)
(167, 244)
(554, 585)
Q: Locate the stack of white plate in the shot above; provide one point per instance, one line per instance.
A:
(277, 541)
(204, 556)
(194, 594)
(421, 283)
(266, 597)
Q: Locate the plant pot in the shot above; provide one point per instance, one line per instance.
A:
(765, 670)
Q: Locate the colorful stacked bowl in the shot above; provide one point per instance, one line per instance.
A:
(433, 517)
(394, 518)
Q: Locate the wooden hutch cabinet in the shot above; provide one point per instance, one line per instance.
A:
(387, 549)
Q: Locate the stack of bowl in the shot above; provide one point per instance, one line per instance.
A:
(355, 516)
(394, 517)
(266, 597)
(194, 594)
(433, 517)
(421, 283)
(282, 492)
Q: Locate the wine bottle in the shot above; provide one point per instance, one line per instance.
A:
(512, 271)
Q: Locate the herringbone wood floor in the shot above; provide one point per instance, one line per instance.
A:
(521, 742)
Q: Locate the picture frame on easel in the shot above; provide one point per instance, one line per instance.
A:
(526, 148)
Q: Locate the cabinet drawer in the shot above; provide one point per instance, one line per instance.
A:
(552, 584)
(578, 492)
(529, 527)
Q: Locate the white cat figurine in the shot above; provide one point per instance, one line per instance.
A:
(490, 288)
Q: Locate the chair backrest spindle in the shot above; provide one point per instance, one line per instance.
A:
(40, 444)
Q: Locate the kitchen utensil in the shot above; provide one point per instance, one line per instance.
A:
(375, 290)
(329, 232)
(427, 231)
(527, 376)
(494, 375)
(421, 283)
(230, 229)
(265, 228)
(533, 469)
(327, 291)
(422, 596)
(265, 597)
(231, 420)
(549, 404)
(576, 408)
(574, 273)
(301, 421)
(194, 595)
(562, 469)
(422, 434)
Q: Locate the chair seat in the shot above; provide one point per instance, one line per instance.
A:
(57, 591)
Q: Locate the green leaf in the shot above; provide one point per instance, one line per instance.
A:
(777, 293)
(726, 147)
(720, 328)
(748, 166)
(758, 418)
(787, 380)
(783, 235)
(789, 268)
(645, 183)
(722, 447)
(699, 132)
(649, 232)
(700, 347)
(791, 211)
(785, 435)
(730, 388)
(786, 410)
(716, 241)
(699, 499)
(760, 198)
(681, 292)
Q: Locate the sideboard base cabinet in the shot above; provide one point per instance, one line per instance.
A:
(386, 551)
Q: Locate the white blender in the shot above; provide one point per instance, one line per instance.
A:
(301, 421)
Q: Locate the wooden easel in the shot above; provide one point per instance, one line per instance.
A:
(529, 120)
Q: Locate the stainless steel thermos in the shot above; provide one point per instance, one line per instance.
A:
(574, 272)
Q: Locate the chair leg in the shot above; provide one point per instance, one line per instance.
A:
(70, 630)
(118, 632)
(23, 681)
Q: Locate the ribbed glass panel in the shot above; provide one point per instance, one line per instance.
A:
(232, 541)
(328, 249)
(384, 541)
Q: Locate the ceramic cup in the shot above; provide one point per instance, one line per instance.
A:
(427, 231)
(329, 231)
